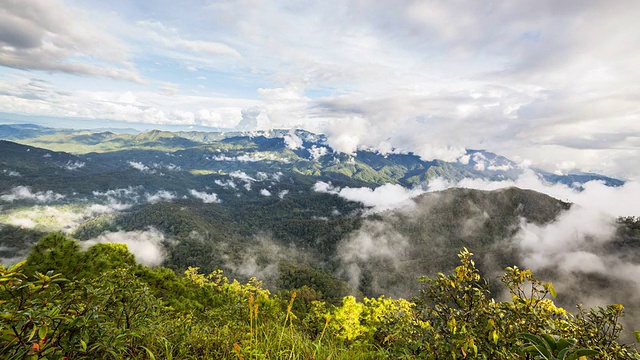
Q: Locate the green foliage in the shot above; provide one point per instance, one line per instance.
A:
(297, 276)
(548, 347)
(58, 253)
(51, 317)
(117, 309)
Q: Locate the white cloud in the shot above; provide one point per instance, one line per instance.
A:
(265, 192)
(130, 194)
(204, 196)
(146, 246)
(292, 140)
(316, 152)
(170, 38)
(60, 217)
(139, 166)
(241, 175)
(25, 193)
(385, 197)
(550, 81)
(74, 165)
(375, 241)
(50, 35)
(283, 193)
(226, 184)
(159, 196)
(11, 173)
(614, 201)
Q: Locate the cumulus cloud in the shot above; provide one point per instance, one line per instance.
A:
(139, 166)
(229, 184)
(566, 238)
(111, 206)
(242, 176)
(292, 140)
(252, 157)
(161, 195)
(385, 197)
(53, 36)
(531, 95)
(74, 165)
(129, 194)
(146, 245)
(25, 193)
(265, 192)
(316, 152)
(204, 196)
(65, 217)
(283, 193)
(615, 201)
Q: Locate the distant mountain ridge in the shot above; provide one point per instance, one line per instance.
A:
(296, 151)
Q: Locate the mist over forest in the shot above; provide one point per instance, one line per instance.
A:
(248, 203)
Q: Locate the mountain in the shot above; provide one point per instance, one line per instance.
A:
(297, 151)
(249, 203)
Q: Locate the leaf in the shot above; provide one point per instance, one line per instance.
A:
(151, 356)
(536, 349)
(540, 345)
(494, 336)
(550, 340)
(562, 353)
(637, 334)
(562, 344)
(552, 290)
(42, 333)
(581, 352)
(16, 266)
(33, 333)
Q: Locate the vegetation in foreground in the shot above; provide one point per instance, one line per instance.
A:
(64, 303)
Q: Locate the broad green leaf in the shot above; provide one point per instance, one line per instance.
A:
(552, 290)
(550, 340)
(581, 352)
(562, 344)
(42, 333)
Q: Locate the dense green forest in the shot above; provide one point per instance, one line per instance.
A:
(66, 303)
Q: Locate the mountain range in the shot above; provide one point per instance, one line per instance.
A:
(296, 151)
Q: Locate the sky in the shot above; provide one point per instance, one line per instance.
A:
(553, 83)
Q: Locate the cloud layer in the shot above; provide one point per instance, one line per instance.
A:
(556, 83)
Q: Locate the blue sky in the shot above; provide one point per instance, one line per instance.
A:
(553, 83)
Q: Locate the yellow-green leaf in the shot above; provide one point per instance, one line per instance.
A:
(552, 290)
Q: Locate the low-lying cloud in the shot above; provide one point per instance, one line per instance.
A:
(140, 167)
(146, 245)
(375, 242)
(25, 193)
(385, 197)
(161, 195)
(204, 196)
(616, 201)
